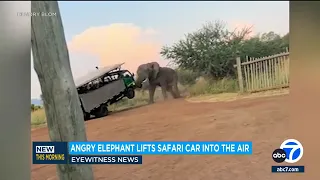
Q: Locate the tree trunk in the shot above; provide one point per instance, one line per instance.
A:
(60, 98)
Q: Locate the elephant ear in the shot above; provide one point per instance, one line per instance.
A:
(154, 67)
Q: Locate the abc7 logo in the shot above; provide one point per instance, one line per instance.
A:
(279, 155)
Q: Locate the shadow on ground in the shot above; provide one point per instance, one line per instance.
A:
(119, 111)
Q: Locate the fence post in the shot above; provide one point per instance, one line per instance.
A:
(240, 80)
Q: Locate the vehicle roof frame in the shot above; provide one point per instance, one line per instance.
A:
(93, 75)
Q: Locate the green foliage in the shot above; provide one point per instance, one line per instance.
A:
(35, 107)
(264, 45)
(211, 50)
(210, 86)
(187, 77)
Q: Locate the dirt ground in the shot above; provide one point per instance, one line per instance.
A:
(259, 120)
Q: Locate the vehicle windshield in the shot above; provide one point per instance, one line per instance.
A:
(126, 74)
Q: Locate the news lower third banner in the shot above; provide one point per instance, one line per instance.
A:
(128, 152)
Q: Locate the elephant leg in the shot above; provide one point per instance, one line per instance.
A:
(169, 88)
(151, 94)
(164, 91)
(176, 90)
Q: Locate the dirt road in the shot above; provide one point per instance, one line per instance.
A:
(259, 120)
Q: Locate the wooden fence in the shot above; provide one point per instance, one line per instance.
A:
(265, 73)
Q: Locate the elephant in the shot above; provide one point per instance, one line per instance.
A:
(145, 85)
(164, 77)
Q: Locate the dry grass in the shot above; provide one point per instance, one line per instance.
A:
(207, 86)
(199, 88)
(202, 91)
(224, 90)
(260, 76)
(38, 118)
(226, 97)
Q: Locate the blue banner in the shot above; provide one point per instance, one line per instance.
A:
(84, 159)
(287, 169)
(160, 148)
(50, 152)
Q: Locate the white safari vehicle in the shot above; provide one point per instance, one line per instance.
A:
(102, 87)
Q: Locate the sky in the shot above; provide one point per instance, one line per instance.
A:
(106, 33)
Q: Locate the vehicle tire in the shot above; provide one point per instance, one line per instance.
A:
(130, 93)
(102, 111)
(86, 116)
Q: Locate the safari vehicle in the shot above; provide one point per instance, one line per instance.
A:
(103, 87)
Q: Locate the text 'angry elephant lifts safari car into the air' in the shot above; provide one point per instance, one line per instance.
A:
(103, 87)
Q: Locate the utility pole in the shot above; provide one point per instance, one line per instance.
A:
(60, 98)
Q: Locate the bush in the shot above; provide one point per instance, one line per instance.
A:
(213, 48)
(35, 107)
(38, 117)
(210, 86)
(187, 77)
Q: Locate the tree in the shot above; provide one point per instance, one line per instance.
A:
(212, 49)
(32, 107)
(186, 77)
(61, 102)
(285, 40)
(264, 45)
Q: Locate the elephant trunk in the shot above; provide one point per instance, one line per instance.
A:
(139, 81)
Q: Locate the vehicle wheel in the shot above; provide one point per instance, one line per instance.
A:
(130, 93)
(86, 116)
(101, 111)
